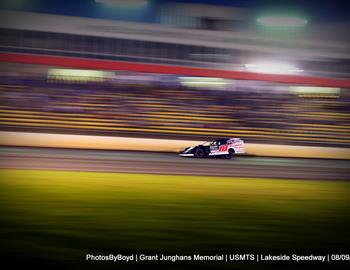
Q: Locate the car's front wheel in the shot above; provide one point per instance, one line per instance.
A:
(199, 153)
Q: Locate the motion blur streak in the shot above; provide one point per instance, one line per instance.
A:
(162, 163)
(54, 218)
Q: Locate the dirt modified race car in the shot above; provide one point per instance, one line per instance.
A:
(225, 148)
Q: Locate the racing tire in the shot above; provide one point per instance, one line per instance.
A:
(229, 155)
(199, 153)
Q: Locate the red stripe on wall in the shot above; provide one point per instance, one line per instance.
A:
(165, 69)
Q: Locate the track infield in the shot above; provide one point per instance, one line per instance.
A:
(58, 217)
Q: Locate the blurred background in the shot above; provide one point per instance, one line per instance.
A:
(182, 69)
(268, 72)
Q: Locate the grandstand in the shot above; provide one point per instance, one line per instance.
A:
(37, 104)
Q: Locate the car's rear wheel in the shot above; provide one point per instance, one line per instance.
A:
(199, 153)
(230, 154)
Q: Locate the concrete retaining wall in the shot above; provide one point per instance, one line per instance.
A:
(161, 145)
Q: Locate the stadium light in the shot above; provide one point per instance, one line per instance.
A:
(273, 68)
(281, 21)
(309, 91)
(205, 82)
(78, 74)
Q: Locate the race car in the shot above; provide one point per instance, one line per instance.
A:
(225, 148)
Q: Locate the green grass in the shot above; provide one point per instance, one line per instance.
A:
(60, 216)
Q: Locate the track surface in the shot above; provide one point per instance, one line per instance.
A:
(167, 163)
